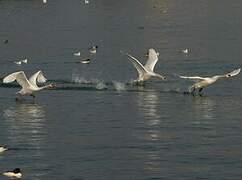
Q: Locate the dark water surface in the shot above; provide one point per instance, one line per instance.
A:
(95, 125)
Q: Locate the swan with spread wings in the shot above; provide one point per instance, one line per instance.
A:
(29, 86)
(146, 71)
(207, 81)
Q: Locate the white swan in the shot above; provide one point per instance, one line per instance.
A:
(147, 71)
(28, 86)
(16, 173)
(206, 81)
(2, 149)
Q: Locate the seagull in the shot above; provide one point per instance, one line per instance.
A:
(44, 1)
(86, 1)
(77, 53)
(206, 81)
(18, 62)
(25, 61)
(93, 49)
(147, 71)
(185, 51)
(16, 173)
(29, 86)
(3, 148)
(85, 61)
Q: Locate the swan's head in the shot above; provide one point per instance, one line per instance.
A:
(16, 170)
(51, 86)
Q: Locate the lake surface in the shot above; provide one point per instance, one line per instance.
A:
(95, 125)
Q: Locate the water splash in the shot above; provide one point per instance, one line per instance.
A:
(119, 86)
(101, 85)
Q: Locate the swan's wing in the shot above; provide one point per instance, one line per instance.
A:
(140, 68)
(233, 73)
(192, 77)
(37, 77)
(20, 77)
(152, 59)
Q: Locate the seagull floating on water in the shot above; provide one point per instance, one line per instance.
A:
(93, 49)
(25, 61)
(86, 1)
(147, 71)
(3, 148)
(206, 81)
(16, 173)
(44, 1)
(18, 62)
(85, 61)
(29, 86)
(185, 51)
(77, 53)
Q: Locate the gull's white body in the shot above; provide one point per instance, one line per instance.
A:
(29, 86)
(86, 1)
(185, 51)
(25, 61)
(147, 71)
(93, 49)
(77, 54)
(18, 62)
(2, 149)
(12, 174)
(85, 61)
(206, 81)
(44, 1)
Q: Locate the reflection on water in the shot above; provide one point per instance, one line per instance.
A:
(25, 124)
(149, 103)
(204, 107)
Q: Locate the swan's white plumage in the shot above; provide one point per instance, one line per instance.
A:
(28, 86)
(206, 81)
(2, 149)
(139, 67)
(38, 76)
(147, 71)
(20, 77)
(152, 59)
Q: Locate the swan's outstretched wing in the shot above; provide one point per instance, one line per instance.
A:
(19, 76)
(152, 60)
(192, 77)
(140, 68)
(233, 73)
(38, 76)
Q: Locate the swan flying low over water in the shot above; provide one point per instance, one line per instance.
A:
(29, 86)
(147, 71)
(206, 81)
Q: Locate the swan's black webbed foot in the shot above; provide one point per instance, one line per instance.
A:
(33, 96)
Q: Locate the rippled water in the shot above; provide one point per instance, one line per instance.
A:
(96, 125)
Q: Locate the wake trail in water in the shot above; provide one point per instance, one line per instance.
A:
(82, 84)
